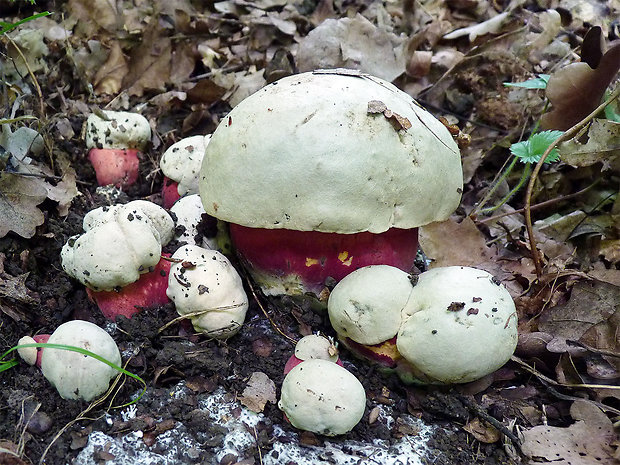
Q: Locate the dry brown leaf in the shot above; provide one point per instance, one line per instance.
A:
(353, 43)
(109, 77)
(94, 14)
(259, 390)
(598, 142)
(583, 443)
(150, 62)
(19, 197)
(482, 431)
(66, 190)
(14, 287)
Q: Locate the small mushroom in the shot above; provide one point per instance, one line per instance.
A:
(204, 285)
(74, 375)
(322, 397)
(180, 165)
(325, 172)
(310, 347)
(114, 142)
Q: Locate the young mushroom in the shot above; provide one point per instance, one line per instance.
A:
(180, 165)
(121, 243)
(448, 325)
(204, 285)
(114, 140)
(322, 397)
(325, 172)
(311, 347)
(74, 375)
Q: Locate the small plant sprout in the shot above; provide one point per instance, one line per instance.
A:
(322, 397)
(310, 347)
(207, 289)
(527, 152)
(114, 140)
(74, 374)
(121, 243)
(447, 325)
(324, 172)
(180, 165)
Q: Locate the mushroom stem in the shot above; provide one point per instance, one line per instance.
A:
(284, 261)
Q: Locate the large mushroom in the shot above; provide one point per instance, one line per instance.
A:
(324, 172)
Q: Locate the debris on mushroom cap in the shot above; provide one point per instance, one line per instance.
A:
(204, 282)
(161, 220)
(182, 161)
(322, 397)
(118, 246)
(308, 155)
(459, 325)
(366, 305)
(121, 130)
(74, 375)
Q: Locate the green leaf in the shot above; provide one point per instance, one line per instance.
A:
(531, 150)
(536, 83)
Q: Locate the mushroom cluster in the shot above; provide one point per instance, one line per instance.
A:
(120, 244)
(447, 325)
(325, 172)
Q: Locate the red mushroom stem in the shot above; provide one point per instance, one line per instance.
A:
(312, 257)
(115, 166)
(149, 291)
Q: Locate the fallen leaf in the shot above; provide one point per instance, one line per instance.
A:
(109, 77)
(597, 143)
(14, 287)
(353, 43)
(259, 390)
(19, 197)
(482, 431)
(585, 442)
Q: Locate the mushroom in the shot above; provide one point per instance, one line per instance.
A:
(204, 285)
(120, 244)
(325, 172)
(322, 397)
(74, 375)
(115, 138)
(180, 165)
(311, 347)
(446, 325)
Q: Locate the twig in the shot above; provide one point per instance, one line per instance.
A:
(34, 79)
(538, 205)
(530, 188)
(275, 326)
(480, 412)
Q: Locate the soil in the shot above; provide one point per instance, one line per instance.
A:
(177, 355)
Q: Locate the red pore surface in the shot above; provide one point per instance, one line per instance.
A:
(148, 291)
(40, 338)
(170, 192)
(293, 361)
(115, 166)
(315, 256)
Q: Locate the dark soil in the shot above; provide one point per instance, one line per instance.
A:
(177, 355)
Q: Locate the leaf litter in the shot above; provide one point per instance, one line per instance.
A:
(185, 66)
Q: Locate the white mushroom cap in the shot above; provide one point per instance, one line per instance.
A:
(205, 281)
(316, 346)
(113, 253)
(189, 211)
(366, 305)
(322, 397)
(182, 161)
(123, 130)
(74, 375)
(28, 354)
(305, 153)
(160, 219)
(460, 324)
